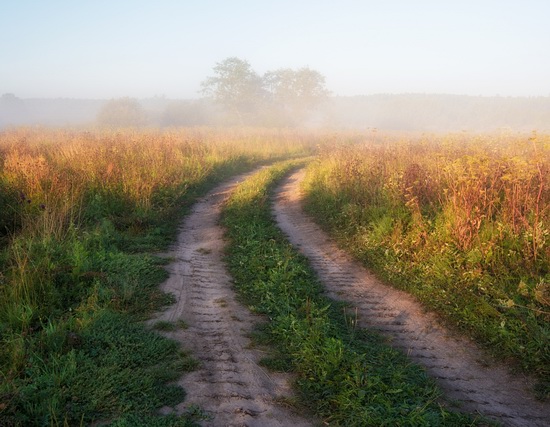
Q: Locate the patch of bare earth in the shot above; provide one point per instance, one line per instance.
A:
(467, 376)
(229, 386)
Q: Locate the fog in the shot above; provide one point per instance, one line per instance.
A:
(426, 65)
(404, 112)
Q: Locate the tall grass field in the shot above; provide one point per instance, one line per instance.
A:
(81, 216)
(460, 221)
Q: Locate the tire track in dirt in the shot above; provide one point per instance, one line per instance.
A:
(466, 376)
(229, 385)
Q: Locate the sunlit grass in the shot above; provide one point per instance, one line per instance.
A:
(461, 221)
(80, 213)
(347, 376)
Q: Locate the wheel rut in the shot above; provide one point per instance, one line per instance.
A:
(229, 386)
(467, 376)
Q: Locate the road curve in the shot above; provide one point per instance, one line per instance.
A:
(229, 386)
(464, 373)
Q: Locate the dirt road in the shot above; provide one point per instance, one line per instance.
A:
(466, 375)
(229, 386)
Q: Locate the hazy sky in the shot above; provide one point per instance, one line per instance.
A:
(138, 48)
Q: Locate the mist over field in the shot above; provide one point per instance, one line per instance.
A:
(402, 112)
(396, 65)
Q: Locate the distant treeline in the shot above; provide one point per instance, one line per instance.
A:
(404, 112)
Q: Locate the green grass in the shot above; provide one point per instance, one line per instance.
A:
(76, 351)
(486, 281)
(81, 215)
(73, 348)
(347, 376)
(163, 325)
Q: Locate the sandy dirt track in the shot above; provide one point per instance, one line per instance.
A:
(459, 367)
(229, 385)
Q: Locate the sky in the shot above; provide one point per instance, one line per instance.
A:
(107, 49)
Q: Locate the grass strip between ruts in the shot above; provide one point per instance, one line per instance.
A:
(347, 376)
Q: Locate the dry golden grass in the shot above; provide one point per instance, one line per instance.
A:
(54, 170)
(462, 221)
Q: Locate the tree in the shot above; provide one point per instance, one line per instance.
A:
(296, 92)
(280, 97)
(122, 112)
(236, 87)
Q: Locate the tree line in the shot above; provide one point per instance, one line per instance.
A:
(237, 95)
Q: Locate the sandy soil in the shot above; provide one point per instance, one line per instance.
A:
(229, 385)
(467, 376)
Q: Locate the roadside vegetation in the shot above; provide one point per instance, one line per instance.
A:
(345, 375)
(81, 216)
(461, 222)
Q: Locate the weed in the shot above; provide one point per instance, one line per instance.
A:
(222, 302)
(166, 326)
(196, 413)
(181, 324)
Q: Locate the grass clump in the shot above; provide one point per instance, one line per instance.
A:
(347, 376)
(461, 222)
(166, 326)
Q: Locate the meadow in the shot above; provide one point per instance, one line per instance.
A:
(82, 215)
(461, 221)
(346, 376)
